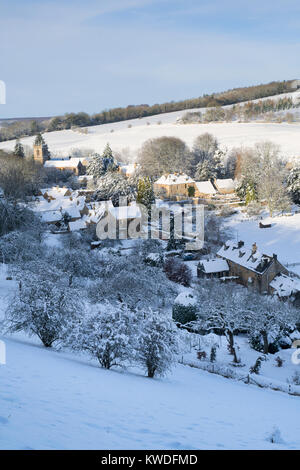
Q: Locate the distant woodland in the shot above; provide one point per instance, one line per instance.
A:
(23, 128)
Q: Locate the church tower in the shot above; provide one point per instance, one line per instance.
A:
(40, 150)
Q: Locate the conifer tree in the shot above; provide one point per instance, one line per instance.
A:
(145, 192)
(19, 150)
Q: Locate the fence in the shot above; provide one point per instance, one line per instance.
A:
(252, 379)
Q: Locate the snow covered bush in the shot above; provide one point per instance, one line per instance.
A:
(177, 271)
(255, 369)
(15, 216)
(106, 335)
(269, 320)
(184, 308)
(213, 354)
(296, 378)
(275, 436)
(223, 308)
(279, 361)
(157, 344)
(44, 308)
(22, 246)
(131, 281)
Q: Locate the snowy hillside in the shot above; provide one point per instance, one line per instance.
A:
(283, 238)
(52, 401)
(120, 136)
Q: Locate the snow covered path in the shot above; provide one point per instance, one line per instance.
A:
(49, 400)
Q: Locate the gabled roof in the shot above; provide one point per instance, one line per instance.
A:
(71, 163)
(211, 266)
(226, 183)
(176, 178)
(77, 225)
(51, 216)
(125, 212)
(285, 286)
(243, 256)
(205, 187)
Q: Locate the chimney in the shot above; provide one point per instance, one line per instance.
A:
(274, 257)
(240, 244)
(254, 248)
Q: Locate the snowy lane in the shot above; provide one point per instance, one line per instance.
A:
(50, 401)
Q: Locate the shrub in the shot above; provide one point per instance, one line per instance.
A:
(178, 272)
(296, 378)
(255, 369)
(184, 313)
(201, 355)
(279, 361)
(213, 354)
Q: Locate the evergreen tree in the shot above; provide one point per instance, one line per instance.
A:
(293, 184)
(113, 185)
(205, 171)
(107, 153)
(99, 165)
(39, 140)
(145, 192)
(19, 150)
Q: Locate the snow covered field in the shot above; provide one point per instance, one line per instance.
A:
(120, 136)
(229, 135)
(56, 400)
(51, 401)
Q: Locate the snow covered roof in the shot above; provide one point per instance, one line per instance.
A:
(70, 163)
(51, 216)
(127, 169)
(217, 265)
(176, 178)
(55, 192)
(245, 256)
(226, 183)
(72, 211)
(125, 212)
(285, 286)
(77, 225)
(63, 204)
(205, 187)
(80, 202)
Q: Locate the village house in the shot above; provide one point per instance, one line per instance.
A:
(120, 217)
(286, 287)
(179, 186)
(175, 185)
(72, 164)
(250, 267)
(212, 268)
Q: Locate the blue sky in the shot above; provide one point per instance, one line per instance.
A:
(70, 55)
